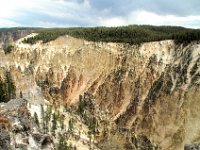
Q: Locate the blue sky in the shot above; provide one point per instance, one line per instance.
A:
(68, 13)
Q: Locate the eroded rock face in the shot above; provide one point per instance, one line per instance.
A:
(151, 90)
(162, 95)
(11, 36)
(192, 147)
(17, 128)
(4, 140)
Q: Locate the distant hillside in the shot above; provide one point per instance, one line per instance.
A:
(9, 35)
(133, 34)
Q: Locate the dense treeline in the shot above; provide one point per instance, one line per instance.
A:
(46, 35)
(187, 36)
(18, 29)
(133, 34)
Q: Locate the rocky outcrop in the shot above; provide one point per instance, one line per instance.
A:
(17, 128)
(192, 147)
(11, 36)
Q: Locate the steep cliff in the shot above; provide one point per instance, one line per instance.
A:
(9, 36)
(143, 96)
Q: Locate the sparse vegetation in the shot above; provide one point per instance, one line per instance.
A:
(63, 145)
(84, 112)
(8, 48)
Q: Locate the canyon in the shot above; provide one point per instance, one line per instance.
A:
(142, 97)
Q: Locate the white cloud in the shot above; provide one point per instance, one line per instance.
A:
(51, 24)
(62, 13)
(31, 12)
(115, 21)
(12, 8)
(145, 17)
(8, 23)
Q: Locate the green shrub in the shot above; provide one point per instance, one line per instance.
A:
(8, 48)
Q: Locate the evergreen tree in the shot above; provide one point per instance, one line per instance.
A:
(81, 105)
(132, 34)
(43, 120)
(70, 146)
(92, 124)
(3, 92)
(10, 86)
(47, 117)
(20, 94)
(54, 123)
(61, 121)
(8, 48)
(71, 124)
(62, 145)
(7, 88)
(36, 120)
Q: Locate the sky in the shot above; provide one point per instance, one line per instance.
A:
(73, 13)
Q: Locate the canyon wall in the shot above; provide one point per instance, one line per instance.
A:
(150, 90)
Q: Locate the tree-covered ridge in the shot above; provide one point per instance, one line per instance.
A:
(18, 29)
(133, 34)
